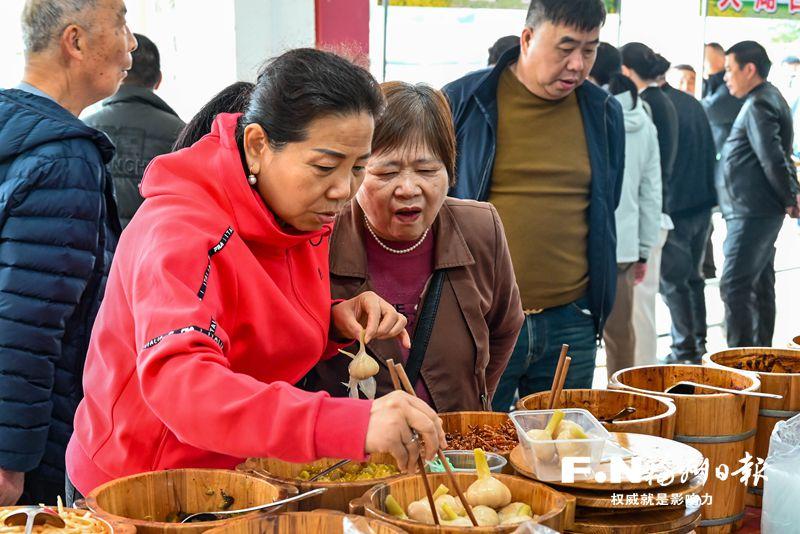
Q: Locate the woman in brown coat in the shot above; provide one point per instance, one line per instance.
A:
(443, 263)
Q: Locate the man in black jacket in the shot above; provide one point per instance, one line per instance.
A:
(141, 125)
(761, 187)
(59, 229)
(689, 198)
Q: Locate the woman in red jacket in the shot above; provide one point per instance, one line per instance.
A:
(219, 295)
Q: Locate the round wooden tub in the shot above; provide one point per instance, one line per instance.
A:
(337, 497)
(720, 425)
(554, 509)
(782, 379)
(462, 422)
(147, 499)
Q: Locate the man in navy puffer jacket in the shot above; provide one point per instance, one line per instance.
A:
(58, 230)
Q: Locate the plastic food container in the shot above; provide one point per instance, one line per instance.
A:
(464, 461)
(545, 457)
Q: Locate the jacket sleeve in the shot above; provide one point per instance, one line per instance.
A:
(505, 317)
(49, 235)
(721, 106)
(763, 132)
(650, 195)
(187, 380)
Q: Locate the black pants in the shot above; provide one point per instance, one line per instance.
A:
(748, 281)
(682, 283)
(38, 490)
(71, 493)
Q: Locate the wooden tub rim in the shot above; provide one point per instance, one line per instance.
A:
(318, 511)
(747, 374)
(91, 502)
(707, 359)
(671, 408)
(364, 501)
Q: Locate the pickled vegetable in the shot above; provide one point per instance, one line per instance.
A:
(351, 472)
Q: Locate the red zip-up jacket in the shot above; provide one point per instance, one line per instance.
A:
(211, 312)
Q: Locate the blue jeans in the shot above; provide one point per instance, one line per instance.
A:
(682, 283)
(533, 362)
(747, 285)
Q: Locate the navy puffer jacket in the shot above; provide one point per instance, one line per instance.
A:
(58, 230)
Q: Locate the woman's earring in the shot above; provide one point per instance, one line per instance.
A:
(252, 178)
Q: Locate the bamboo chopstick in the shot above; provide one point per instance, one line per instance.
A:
(420, 462)
(401, 373)
(561, 380)
(557, 376)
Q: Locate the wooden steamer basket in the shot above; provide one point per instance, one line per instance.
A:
(112, 527)
(554, 509)
(771, 410)
(654, 416)
(722, 426)
(461, 421)
(322, 521)
(145, 500)
(337, 497)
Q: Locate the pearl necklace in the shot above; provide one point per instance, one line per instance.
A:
(394, 250)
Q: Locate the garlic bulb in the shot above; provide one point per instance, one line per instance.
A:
(362, 370)
(487, 490)
(363, 365)
(421, 510)
(514, 513)
(546, 451)
(450, 518)
(571, 426)
(573, 449)
(485, 516)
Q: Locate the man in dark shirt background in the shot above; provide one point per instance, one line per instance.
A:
(140, 124)
(690, 198)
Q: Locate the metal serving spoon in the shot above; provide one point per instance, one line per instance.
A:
(213, 516)
(622, 413)
(34, 515)
(327, 470)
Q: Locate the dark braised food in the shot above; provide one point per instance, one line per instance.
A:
(500, 439)
(767, 363)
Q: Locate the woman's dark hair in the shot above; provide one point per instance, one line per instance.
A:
(641, 59)
(417, 115)
(619, 83)
(661, 66)
(608, 62)
(305, 84)
(232, 99)
(500, 46)
(751, 52)
(607, 70)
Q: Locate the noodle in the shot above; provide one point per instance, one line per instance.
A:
(76, 523)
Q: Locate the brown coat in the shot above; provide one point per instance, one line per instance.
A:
(479, 315)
